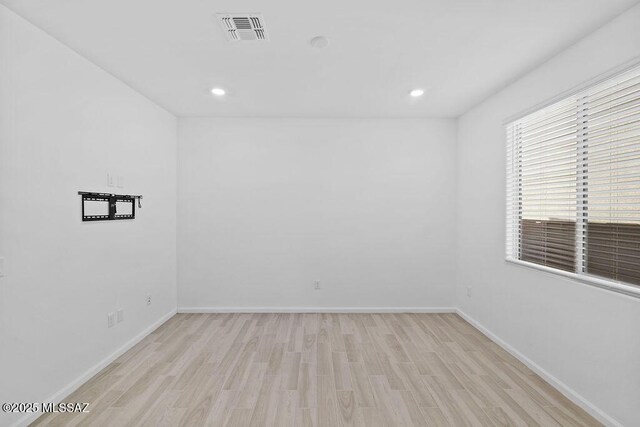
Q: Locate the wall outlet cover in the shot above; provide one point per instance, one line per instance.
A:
(120, 315)
(110, 319)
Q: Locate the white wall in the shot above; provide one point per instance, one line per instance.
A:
(267, 206)
(587, 338)
(63, 124)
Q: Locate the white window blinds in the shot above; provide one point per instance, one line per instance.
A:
(573, 182)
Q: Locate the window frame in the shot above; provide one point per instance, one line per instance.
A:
(583, 277)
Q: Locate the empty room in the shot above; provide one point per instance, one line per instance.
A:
(291, 213)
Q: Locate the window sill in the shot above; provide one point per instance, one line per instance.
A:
(609, 285)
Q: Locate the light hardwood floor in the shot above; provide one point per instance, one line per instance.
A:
(319, 370)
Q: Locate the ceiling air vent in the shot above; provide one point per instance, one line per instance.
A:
(243, 26)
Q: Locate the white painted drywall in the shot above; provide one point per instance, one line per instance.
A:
(174, 51)
(588, 338)
(267, 206)
(63, 124)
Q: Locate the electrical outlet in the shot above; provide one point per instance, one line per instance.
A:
(110, 180)
(120, 315)
(110, 319)
(149, 299)
(316, 284)
(468, 291)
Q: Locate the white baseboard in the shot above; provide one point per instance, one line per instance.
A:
(75, 384)
(316, 310)
(567, 391)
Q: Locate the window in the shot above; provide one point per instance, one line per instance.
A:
(573, 182)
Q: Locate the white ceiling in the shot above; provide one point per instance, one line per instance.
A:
(459, 51)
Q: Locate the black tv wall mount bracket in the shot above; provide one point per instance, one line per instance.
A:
(126, 202)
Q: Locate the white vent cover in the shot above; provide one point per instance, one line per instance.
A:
(243, 26)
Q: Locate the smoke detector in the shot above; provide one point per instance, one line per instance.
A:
(319, 42)
(243, 26)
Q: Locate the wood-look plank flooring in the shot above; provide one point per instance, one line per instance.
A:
(318, 370)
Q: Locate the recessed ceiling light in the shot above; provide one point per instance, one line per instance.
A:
(217, 91)
(416, 93)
